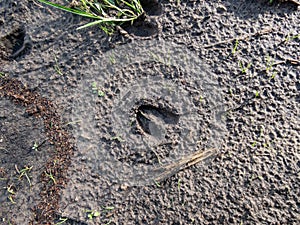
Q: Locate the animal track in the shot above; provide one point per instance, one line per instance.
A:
(153, 120)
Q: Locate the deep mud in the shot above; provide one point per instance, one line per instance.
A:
(98, 120)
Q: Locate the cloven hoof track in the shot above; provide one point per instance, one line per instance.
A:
(145, 26)
(44, 211)
(152, 7)
(15, 43)
(152, 120)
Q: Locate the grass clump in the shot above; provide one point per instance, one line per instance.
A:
(25, 172)
(108, 14)
(92, 214)
(244, 68)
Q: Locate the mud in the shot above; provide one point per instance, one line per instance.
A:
(109, 114)
(20, 193)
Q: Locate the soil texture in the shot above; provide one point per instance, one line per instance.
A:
(190, 115)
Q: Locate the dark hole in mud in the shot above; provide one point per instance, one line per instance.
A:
(15, 44)
(151, 7)
(152, 120)
(142, 27)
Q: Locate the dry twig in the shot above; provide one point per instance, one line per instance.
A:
(187, 161)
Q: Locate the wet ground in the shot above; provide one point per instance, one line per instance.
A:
(191, 118)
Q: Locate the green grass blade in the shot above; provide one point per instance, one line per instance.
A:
(132, 6)
(90, 24)
(106, 13)
(74, 11)
(104, 20)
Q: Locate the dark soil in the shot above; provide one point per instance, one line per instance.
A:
(101, 124)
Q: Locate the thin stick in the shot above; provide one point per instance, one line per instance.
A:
(243, 37)
(290, 60)
(187, 161)
(292, 1)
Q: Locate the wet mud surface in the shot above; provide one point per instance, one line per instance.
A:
(190, 116)
(19, 177)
